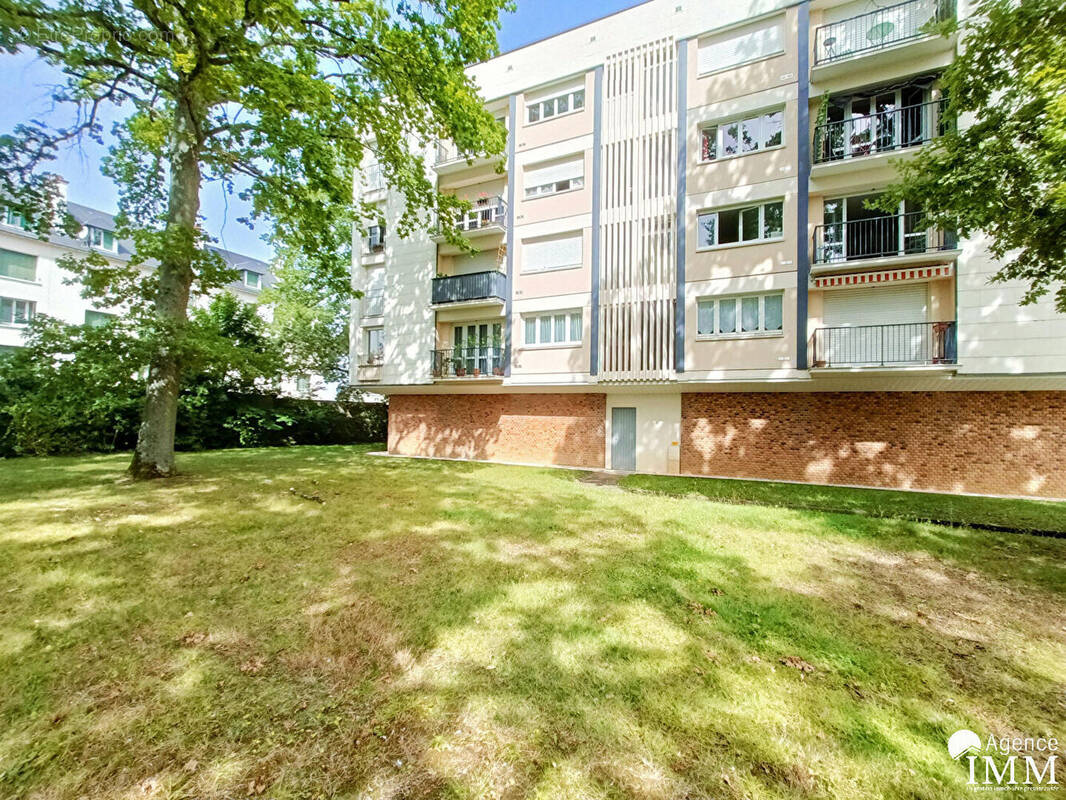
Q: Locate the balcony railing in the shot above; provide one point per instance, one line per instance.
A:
(473, 286)
(907, 343)
(878, 29)
(468, 362)
(879, 237)
(884, 131)
(485, 214)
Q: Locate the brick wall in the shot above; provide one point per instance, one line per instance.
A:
(994, 442)
(564, 429)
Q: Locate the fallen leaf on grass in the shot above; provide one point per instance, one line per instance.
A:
(252, 666)
(193, 638)
(797, 663)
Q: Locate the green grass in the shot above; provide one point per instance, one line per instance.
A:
(995, 512)
(443, 629)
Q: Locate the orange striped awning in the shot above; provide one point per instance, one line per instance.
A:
(885, 276)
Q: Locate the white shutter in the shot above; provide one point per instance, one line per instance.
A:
(721, 53)
(882, 305)
(375, 280)
(573, 167)
(554, 253)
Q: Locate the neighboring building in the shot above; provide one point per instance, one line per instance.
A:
(678, 272)
(31, 282)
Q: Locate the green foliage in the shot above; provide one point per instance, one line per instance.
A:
(79, 388)
(1004, 175)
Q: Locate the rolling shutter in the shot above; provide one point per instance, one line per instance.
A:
(883, 305)
(721, 53)
(554, 253)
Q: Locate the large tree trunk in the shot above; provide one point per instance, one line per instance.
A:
(154, 456)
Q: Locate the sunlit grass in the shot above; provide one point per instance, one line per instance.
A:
(440, 629)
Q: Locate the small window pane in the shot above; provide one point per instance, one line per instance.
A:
(545, 330)
(729, 226)
(534, 112)
(705, 318)
(749, 224)
(727, 316)
(773, 129)
(18, 265)
(560, 327)
(773, 312)
(751, 134)
(575, 327)
(773, 217)
(97, 319)
(730, 140)
(531, 331)
(7, 310)
(579, 99)
(547, 108)
(562, 104)
(709, 143)
(749, 314)
(705, 225)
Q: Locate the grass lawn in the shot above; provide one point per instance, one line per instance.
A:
(441, 629)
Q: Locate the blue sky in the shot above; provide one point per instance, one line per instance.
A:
(25, 94)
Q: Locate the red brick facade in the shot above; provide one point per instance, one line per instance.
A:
(991, 442)
(563, 429)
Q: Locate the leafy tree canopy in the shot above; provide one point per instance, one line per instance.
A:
(1002, 170)
(286, 96)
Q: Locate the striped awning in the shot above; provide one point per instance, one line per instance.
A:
(885, 276)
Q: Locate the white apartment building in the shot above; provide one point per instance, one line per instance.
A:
(679, 273)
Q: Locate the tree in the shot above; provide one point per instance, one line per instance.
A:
(286, 96)
(1004, 175)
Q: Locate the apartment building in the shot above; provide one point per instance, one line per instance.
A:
(679, 270)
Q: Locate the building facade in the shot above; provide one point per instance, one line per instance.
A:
(680, 270)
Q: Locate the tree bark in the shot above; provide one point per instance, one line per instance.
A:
(154, 455)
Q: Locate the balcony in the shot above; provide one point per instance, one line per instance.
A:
(487, 217)
(468, 362)
(888, 131)
(892, 239)
(450, 159)
(900, 345)
(489, 286)
(869, 34)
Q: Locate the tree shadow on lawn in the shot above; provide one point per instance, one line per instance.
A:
(446, 629)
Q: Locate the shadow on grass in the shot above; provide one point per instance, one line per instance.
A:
(465, 630)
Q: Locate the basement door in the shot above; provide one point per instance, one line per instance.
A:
(878, 325)
(624, 439)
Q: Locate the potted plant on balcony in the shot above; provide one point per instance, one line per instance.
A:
(458, 362)
(496, 356)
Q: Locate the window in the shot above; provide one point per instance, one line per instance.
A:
(101, 239)
(10, 216)
(97, 319)
(559, 327)
(16, 312)
(746, 314)
(562, 102)
(736, 137)
(375, 239)
(740, 225)
(374, 342)
(253, 280)
(552, 252)
(303, 384)
(732, 50)
(374, 294)
(20, 266)
(559, 176)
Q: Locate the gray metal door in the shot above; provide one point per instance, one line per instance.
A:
(624, 439)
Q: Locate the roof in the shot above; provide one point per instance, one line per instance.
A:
(104, 221)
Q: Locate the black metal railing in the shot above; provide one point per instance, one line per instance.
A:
(473, 286)
(879, 237)
(897, 128)
(878, 29)
(884, 345)
(468, 362)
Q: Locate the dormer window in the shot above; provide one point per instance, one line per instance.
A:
(101, 240)
(252, 280)
(10, 216)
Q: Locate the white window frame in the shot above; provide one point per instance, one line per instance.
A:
(737, 299)
(370, 358)
(538, 318)
(35, 280)
(761, 206)
(93, 233)
(720, 126)
(258, 282)
(569, 94)
(30, 311)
